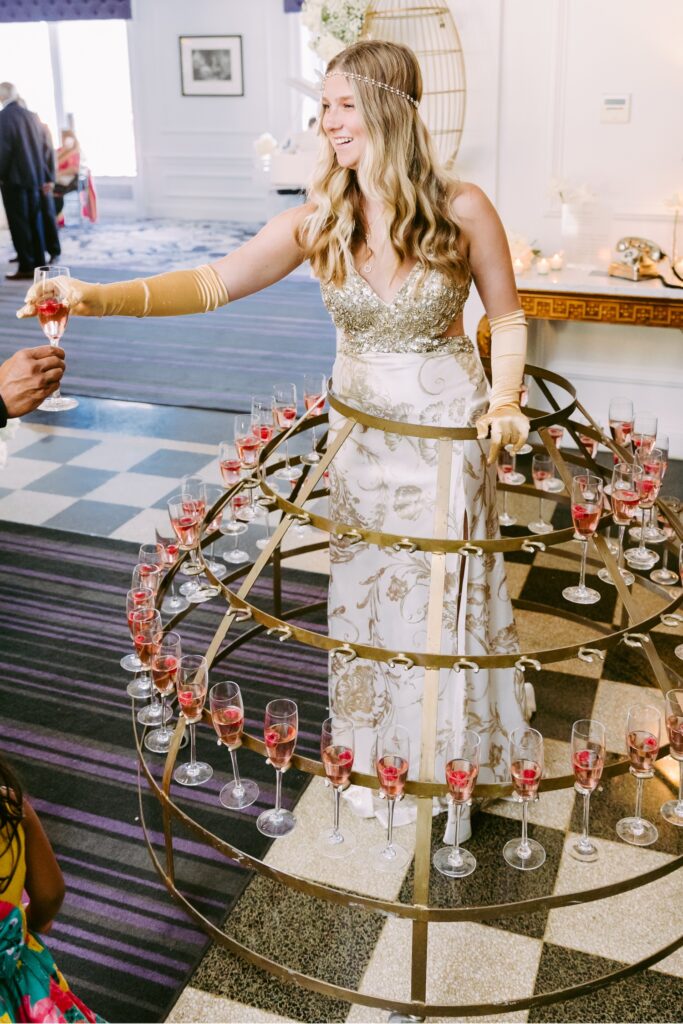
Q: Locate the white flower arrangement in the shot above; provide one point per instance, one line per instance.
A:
(6, 434)
(333, 24)
(265, 145)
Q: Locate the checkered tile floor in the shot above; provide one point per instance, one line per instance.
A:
(111, 486)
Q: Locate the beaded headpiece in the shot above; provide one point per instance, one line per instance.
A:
(373, 81)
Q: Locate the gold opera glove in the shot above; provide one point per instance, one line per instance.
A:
(507, 422)
(173, 294)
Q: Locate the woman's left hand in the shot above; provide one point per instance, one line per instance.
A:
(508, 425)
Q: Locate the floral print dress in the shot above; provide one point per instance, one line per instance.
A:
(393, 362)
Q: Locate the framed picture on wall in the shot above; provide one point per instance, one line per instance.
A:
(211, 66)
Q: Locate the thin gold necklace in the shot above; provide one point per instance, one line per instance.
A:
(369, 265)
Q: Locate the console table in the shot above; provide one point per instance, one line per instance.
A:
(592, 296)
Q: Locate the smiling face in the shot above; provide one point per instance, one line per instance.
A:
(342, 122)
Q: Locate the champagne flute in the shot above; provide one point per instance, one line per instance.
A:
(678, 651)
(284, 414)
(556, 432)
(648, 487)
(590, 444)
(145, 624)
(652, 532)
(152, 713)
(505, 470)
(227, 715)
(147, 575)
(137, 598)
(262, 419)
(643, 725)
(186, 512)
(644, 432)
(314, 400)
(173, 602)
(53, 314)
(229, 463)
(462, 768)
(191, 686)
(588, 760)
(267, 505)
(664, 576)
(213, 495)
(526, 768)
(280, 731)
(523, 402)
(515, 478)
(165, 668)
(247, 442)
(586, 507)
(542, 471)
(620, 420)
(624, 497)
(336, 751)
(232, 527)
(392, 756)
(672, 810)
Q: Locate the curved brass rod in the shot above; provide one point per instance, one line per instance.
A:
(389, 907)
(427, 660)
(408, 429)
(434, 544)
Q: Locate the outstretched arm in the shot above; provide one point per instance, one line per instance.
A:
(491, 266)
(269, 256)
(44, 881)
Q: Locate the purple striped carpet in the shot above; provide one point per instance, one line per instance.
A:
(124, 946)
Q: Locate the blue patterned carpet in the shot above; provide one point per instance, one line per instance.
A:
(210, 362)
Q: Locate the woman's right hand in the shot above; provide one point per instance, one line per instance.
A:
(82, 297)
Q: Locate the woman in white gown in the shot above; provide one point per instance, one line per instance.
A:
(395, 243)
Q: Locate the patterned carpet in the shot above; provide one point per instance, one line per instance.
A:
(208, 362)
(66, 725)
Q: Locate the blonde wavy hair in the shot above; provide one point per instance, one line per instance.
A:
(399, 168)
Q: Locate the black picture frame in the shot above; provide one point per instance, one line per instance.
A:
(211, 66)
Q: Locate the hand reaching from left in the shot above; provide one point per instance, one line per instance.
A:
(508, 425)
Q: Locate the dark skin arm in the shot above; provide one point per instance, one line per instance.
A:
(29, 376)
(44, 882)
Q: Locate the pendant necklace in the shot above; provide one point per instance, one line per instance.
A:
(369, 265)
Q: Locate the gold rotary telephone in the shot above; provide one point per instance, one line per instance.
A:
(640, 258)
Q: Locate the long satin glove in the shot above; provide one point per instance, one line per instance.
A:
(173, 294)
(507, 422)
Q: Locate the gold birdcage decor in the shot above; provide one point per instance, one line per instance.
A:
(430, 31)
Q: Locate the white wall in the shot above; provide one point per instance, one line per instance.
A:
(537, 71)
(195, 154)
(558, 59)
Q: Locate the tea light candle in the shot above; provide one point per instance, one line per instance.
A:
(542, 266)
(518, 266)
(556, 261)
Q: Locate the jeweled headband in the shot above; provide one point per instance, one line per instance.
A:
(373, 81)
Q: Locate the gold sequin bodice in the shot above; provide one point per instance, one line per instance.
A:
(414, 321)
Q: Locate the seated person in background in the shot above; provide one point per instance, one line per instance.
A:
(31, 893)
(27, 378)
(68, 166)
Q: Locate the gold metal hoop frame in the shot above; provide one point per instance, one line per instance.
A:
(634, 633)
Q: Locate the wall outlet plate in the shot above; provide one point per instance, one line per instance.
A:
(616, 108)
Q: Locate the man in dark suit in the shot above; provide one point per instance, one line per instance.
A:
(22, 176)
